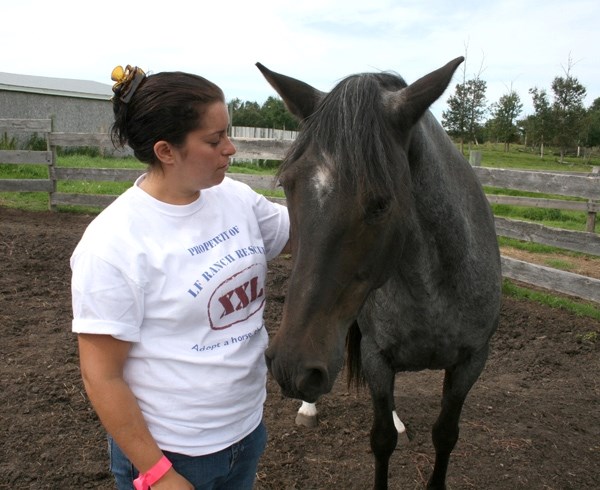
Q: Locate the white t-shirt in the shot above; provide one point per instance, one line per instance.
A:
(186, 286)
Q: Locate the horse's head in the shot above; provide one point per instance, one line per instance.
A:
(348, 190)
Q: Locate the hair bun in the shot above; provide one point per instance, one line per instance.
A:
(127, 81)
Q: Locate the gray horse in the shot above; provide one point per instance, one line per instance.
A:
(395, 255)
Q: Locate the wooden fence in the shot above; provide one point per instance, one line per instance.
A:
(268, 133)
(581, 186)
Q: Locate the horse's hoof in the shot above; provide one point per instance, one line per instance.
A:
(309, 421)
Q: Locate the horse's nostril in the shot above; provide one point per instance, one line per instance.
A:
(313, 380)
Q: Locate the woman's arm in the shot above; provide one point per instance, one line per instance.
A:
(102, 359)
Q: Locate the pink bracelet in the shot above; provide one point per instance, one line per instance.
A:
(145, 480)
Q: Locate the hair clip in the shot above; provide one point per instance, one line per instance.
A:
(127, 81)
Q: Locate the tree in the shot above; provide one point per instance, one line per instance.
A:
(504, 118)
(540, 123)
(234, 104)
(275, 115)
(246, 114)
(568, 112)
(466, 108)
(593, 133)
(272, 114)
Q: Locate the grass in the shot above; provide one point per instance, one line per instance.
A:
(555, 218)
(38, 201)
(579, 308)
(29, 201)
(84, 161)
(248, 167)
(560, 256)
(532, 246)
(520, 157)
(559, 264)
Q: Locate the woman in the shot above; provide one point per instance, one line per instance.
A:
(168, 294)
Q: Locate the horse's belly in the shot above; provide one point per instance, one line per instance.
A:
(417, 345)
(436, 333)
(417, 356)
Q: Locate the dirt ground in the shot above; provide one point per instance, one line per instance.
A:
(532, 421)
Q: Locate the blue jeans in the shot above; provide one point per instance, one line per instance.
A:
(233, 468)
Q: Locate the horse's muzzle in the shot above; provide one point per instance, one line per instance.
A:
(298, 380)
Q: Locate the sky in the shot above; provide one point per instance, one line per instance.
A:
(511, 44)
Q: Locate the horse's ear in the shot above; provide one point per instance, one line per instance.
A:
(300, 98)
(410, 104)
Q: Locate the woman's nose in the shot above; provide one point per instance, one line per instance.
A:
(229, 148)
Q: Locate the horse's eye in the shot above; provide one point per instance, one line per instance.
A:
(286, 182)
(376, 209)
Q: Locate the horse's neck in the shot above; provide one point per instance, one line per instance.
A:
(438, 228)
(431, 152)
(448, 231)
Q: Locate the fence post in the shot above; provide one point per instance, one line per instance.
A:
(475, 158)
(52, 166)
(591, 217)
(591, 220)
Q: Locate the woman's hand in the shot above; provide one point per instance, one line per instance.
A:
(172, 481)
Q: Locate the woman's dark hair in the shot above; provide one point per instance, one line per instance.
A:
(165, 106)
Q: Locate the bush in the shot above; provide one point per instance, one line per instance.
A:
(7, 143)
(36, 143)
(90, 151)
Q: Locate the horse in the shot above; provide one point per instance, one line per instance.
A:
(392, 238)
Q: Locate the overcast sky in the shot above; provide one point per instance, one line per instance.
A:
(513, 43)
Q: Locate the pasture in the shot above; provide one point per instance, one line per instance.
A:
(530, 422)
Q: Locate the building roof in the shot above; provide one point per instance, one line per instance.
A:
(65, 87)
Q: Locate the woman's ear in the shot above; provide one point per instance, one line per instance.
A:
(164, 152)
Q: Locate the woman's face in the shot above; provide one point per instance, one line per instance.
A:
(204, 157)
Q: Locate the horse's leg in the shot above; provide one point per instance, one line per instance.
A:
(384, 434)
(307, 415)
(457, 384)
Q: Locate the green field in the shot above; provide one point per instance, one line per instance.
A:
(520, 157)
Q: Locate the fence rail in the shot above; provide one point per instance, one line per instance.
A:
(583, 189)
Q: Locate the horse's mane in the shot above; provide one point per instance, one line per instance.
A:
(350, 127)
